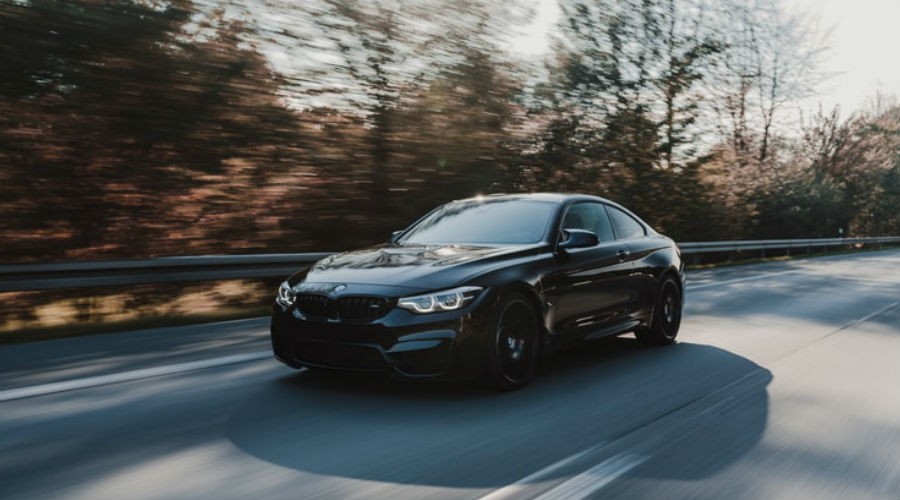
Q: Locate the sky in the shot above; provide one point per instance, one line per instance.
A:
(864, 44)
(865, 49)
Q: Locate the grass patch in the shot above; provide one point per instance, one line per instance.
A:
(81, 329)
(42, 315)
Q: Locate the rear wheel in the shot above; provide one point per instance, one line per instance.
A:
(513, 343)
(666, 315)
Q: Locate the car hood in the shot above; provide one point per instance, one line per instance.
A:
(413, 268)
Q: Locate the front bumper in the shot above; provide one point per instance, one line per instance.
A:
(440, 345)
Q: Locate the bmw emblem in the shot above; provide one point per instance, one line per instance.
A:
(338, 289)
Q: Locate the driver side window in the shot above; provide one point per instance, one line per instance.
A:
(590, 217)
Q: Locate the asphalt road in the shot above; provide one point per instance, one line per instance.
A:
(785, 384)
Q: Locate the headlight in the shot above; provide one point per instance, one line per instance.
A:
(446, 300)
(285, 295)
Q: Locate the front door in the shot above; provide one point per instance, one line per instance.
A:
(592, 287)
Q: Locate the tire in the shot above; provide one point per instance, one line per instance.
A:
(666, 318)
(512, 343)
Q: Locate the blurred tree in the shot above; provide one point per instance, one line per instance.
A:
(452, 132)
(860, 156)
(60, 61)
(805, 206)
(687, 55)
(770, 58)
(370, 38)
(132, 128)
(418, 75)
(122, 135)
(626, 87)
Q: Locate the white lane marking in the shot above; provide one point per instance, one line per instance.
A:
(520, 485)
(846, 326)
(739, 280)
(591, 480)
(869, 316)
(116, 378)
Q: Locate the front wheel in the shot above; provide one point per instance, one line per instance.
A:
(513, 343)
(666, 316)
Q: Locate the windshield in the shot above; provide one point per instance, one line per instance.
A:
(488, 222)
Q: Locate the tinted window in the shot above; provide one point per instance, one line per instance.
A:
(624, 225)
(484, 222)
(590, 217)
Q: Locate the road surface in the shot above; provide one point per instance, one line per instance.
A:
(785, 384)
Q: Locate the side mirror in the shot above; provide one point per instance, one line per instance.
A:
(578, 238)
(394, 236)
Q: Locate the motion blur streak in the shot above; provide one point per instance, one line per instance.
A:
(591, 480)
(783, 387)
(143, 128)
(519, 486)
(283, 125)
(115, 378)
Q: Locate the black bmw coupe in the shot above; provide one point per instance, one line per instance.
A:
(481, 288)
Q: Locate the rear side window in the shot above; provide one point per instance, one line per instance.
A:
(625, 225)
(590, 217)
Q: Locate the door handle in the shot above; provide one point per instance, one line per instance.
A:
(623, 254)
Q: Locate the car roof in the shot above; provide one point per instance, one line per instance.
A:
(553, 197)
(559, 199)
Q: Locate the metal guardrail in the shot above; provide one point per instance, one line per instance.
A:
(30, 277)
(762, 245)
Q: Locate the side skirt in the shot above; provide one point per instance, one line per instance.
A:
(610, 331)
